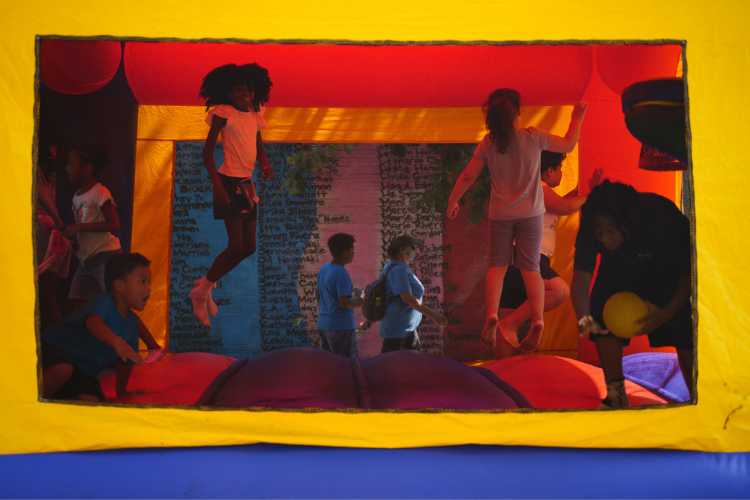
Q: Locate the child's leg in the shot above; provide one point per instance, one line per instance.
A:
(88, 280)
(324, 344)
(493, 290)
(232, 254)
(390, 345)
(502, 348)
(241, 235)
(535, 291)
(62, 380)
(248, 248)
(55, 377)
(501, 250)
(224, 262)
(98, 263)
(57, 369)
(528, 237)
(248, 238)
(241, 244)
(556, 291)
(609, 349)
(82, 287)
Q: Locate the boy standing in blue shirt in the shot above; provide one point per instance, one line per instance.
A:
(103, 330)
(336, 326)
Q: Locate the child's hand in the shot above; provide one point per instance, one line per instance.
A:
(587, 324)
(221, 196)
(125, 352)
(46, 222)
(654, 319)
(358, 302)
(452, 210)
(267, 172)
(579, 111)
(439, 319)
(155, 355)
(70, 231)
(596, 178)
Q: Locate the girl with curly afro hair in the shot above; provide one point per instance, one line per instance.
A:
(512, 155)
(235, 96)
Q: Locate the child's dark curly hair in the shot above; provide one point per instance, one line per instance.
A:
(619, 201)
(219, 83)
(501, 110)
(340, 243)
(552, 160)
(96, 154)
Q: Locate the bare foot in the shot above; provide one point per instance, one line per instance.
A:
(523, 330)
(509, 334)
(531, 342)
(200, 308)
(488, 333)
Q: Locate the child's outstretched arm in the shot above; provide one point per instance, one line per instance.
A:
(418, 306)
(464, 182)
(155, 351)
(145, 335)
(220, 195)
(266, 172)
(97, 328)
(110, 224)
(562, 205)
(566, 144)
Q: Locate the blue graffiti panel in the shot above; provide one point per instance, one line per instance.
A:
(257, 307)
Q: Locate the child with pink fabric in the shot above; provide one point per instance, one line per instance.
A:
(237, 94)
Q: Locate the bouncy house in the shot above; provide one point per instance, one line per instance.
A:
(381, 119)
(278, 282)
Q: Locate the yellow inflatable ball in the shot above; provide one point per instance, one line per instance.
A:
(620, 312)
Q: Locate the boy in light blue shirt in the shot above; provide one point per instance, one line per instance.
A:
(334, 287)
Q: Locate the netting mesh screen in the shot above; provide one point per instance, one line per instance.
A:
(268, 301)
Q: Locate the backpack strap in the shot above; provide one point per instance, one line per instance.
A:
(386, 289)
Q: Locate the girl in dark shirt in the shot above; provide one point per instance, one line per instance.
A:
(644, 243)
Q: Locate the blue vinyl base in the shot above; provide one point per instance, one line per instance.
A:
(279, 471)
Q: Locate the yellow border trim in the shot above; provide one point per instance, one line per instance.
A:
(717, 44)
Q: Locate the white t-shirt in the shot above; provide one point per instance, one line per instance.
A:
(87, 207)
(238, 135)
(548, 233)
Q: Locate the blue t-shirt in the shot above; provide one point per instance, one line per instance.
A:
(334, 282)
(400, 318)
(86, 351)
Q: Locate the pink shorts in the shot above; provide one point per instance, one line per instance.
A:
(527, 234)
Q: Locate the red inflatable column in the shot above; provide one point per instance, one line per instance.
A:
(606, 143)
